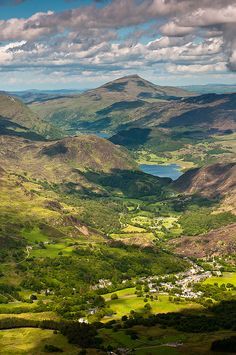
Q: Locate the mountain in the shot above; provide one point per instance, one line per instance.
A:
(210, 112)
(17, 119)
(213, 180)
(219, 242)
(149, 119)
(106, 107)
(61, 158)
(194, 131)
(134, 87)
(88, 164)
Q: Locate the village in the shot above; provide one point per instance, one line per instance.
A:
(177, 286)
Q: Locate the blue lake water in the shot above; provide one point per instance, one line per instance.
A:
(172, 170)
(102, 134)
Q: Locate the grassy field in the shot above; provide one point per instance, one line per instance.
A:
(32, 341)
(163, 226)
(128, 301)
(133, 229)
(32, 316)
(156, 340)
(134, 238)
(227, 277)
(145, 157)
(15, 306)
(52, 250)
(34, 235)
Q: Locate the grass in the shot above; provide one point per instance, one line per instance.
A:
(34, 235)
(14, 306)
(32, 316)
(156, 340)
(133, 229)
(32, 341)
(145, 157)
(128, 301)
(52, 250)
(228, 277)
(136, 238)
(161, 225)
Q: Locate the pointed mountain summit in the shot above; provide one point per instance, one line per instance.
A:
(136, 87)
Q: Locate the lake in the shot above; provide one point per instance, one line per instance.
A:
(171, 170)
(102, 134)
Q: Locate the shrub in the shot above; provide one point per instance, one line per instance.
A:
(49, 348)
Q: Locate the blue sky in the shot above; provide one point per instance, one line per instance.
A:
(28, 7)
(82, 44)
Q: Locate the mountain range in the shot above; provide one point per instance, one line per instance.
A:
(134, 102)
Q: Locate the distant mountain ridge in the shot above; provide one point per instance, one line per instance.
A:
(30, 96)
(211, 88)
(132, 87)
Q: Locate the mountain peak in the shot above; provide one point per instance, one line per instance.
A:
(131, 76)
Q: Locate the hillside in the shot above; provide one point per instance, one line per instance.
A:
(58, 160)
(198, 130)
(210, 113)
(218, 242)
(17, 119)
(134, 87)
(106, 107)
(86, 164)
(213, 180)
(30, 96)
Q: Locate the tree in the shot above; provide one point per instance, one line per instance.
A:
(33, 297)
(114, 296)
(148, 307)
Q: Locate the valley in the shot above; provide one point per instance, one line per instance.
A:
(117, 236)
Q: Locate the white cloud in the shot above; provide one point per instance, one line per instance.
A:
(196, 68)
(185, 36)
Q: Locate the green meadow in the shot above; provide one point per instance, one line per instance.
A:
(52, 250)
(128, 301)
(227, 277)
(156, 340)
(29, 341)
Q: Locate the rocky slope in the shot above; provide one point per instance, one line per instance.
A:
(213, 180)
(218, 242)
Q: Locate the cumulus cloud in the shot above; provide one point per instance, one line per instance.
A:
(176, 36)
(196, 68)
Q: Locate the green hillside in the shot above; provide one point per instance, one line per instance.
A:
(17, 119)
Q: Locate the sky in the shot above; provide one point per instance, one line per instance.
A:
(79, 44)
